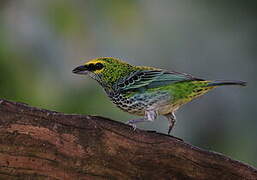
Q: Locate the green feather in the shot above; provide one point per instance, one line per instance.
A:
(150, 79)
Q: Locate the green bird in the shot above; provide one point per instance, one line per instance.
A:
(147, 91)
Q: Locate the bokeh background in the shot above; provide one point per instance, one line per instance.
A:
(42, 41)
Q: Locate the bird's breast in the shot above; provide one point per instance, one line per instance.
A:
(138, 103)
(129, 104)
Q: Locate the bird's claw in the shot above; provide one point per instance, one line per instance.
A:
(132, 124)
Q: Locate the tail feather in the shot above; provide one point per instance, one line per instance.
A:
(223, 83)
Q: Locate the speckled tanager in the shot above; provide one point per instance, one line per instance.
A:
(147, 91)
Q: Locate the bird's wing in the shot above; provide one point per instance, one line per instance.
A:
(150, 79)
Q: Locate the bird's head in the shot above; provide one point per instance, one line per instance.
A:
(106, 70)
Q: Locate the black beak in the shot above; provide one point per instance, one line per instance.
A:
(80, 70)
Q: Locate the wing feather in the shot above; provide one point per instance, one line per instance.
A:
(150, 79)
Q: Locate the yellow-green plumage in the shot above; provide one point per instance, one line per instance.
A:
(147, 91)
(184, 92)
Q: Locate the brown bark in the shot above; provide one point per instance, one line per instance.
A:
(42, 144)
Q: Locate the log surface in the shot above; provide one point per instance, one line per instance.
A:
(42, 144)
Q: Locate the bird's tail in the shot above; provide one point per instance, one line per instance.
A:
(223, 83)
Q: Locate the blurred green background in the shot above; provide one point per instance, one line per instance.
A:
(42, 41)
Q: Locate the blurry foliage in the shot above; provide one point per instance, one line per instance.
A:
(123, 13)
(64, 17)
(16, 81)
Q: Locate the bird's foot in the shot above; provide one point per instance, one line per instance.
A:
(132, 123)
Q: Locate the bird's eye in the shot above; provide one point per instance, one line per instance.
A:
(99, 66)
(91, 67)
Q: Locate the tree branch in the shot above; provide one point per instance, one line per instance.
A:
(42, 144)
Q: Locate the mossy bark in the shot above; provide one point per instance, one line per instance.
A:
(42, 144)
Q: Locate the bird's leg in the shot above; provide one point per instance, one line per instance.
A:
(133, 122)
(172, 120)
(149, 116)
